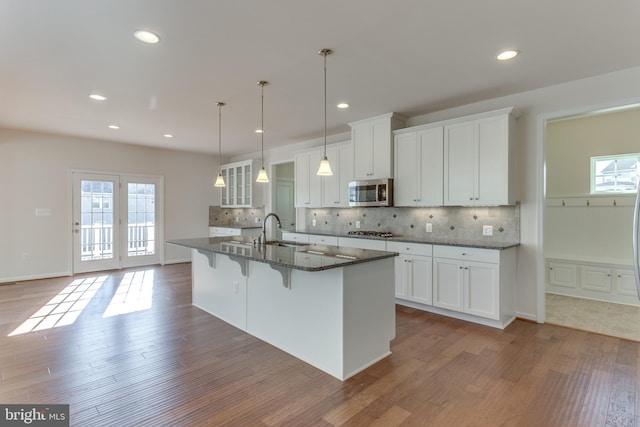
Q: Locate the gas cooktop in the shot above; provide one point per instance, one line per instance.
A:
(371, 233)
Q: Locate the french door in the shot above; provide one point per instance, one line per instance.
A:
(117, 221)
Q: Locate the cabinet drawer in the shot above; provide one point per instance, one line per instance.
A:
(295, 237)
(323, 240)
(351, 242)
(224, 231)
(467, 254)
(410, 248)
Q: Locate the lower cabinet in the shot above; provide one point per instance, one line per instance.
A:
(592, 280)
(413, 271)
(475, 281)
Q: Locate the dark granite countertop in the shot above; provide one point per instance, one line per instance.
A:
(482, 244)
(307, 257)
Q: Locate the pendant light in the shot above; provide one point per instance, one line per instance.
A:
(262, 175)
(325, 167)
(220, 179)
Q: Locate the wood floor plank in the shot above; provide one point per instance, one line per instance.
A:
(173, 364)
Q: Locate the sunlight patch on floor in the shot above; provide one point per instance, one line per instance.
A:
(64, 308)
(135, 293)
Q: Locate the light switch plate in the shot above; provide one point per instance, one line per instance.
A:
(357, 224)
(313, 222)
(487, 230)
(429, 227)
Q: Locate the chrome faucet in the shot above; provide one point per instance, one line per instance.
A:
(264, 226)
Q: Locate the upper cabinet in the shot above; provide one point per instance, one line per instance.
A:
(241, 189)
(335, 188)
(308, 185)
(313, 191)
(373, 146)
(477, 167)
(418, 179)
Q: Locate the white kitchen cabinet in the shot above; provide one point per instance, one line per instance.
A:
(373, 146)
(602, 281)
(477, 166)
(564, 275)
(335, 188)
(625, 282)
(474, 281)
(308, 185)
(295, 237)
(355, 242)
(413, 271)
(323, 240)
(418, 179)
(234, 231)
(595, 278)
(241, 189)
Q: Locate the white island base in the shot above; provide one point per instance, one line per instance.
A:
(340, 320)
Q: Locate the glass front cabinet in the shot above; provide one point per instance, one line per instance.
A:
(242, 190)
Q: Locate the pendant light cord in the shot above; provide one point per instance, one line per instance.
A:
(220, 104)
(325, 52)
(262, 83)
(325, 103)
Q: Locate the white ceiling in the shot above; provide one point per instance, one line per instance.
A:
(407, 56)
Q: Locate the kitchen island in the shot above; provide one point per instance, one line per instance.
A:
(330, 307)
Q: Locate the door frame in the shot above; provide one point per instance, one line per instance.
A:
(159, 212)
(542, 184)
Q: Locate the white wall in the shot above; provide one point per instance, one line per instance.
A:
(34, 172)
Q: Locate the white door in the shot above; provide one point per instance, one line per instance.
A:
(448, 280)
(117, 221)
(141, 220)
(95, 215)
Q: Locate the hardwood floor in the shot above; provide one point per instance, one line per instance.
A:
(172, 364)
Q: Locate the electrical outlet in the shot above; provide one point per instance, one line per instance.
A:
(256, 220)
(236, 287)
(429, 227)
(313, 222)
(237, 219)
(487, 230)
(357, 224)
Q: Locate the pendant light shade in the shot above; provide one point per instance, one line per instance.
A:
(325, 167)
(219, 180)
(262, 175)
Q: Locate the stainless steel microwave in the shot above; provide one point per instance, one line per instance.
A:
(371, 192)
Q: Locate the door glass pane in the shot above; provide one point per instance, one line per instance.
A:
(141, 219)
(247, 185)
(232, 186)
(96, 216)
(239, 189)
(224, 190)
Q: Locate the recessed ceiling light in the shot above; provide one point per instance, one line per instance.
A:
(168, 135)
(114, 127)
(97, 97)
(508, 54)
(343, 105)
(259, 131)
(146, 36)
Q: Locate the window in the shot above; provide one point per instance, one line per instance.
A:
(615, 174)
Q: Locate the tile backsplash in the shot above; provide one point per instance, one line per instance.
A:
(454, 223)
(446, 222)
(235, 217)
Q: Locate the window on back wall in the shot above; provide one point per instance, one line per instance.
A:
(615, 174)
